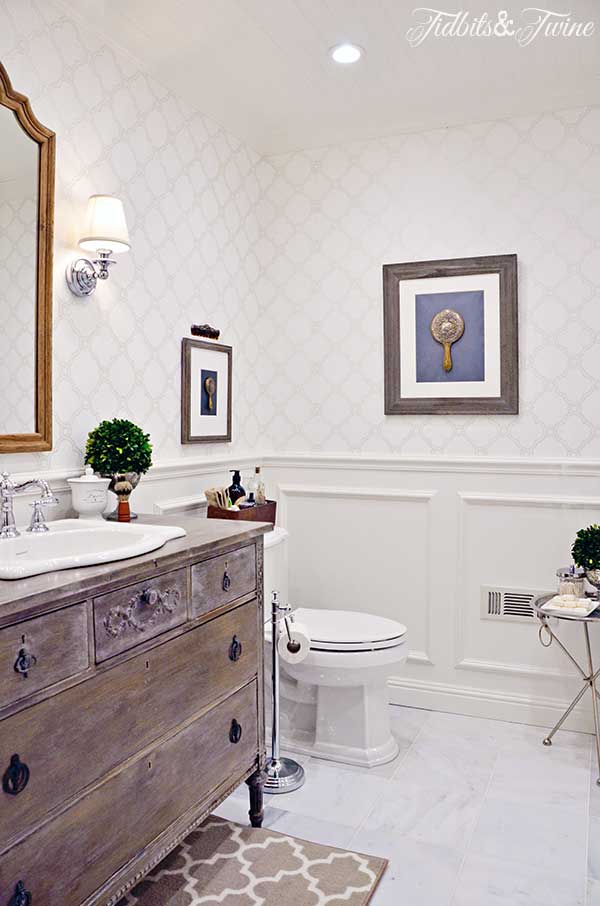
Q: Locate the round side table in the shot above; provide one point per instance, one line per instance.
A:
(589, 675)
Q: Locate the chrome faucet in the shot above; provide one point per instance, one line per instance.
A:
(8, 489)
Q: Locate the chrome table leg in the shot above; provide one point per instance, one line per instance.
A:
(594, 700)
(548, 739)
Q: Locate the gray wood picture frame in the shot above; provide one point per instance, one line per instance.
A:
(186, 370)
(508, 401)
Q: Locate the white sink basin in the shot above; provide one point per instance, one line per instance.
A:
(79, 542)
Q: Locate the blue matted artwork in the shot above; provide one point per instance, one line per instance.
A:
(208, 392)
(468, 353)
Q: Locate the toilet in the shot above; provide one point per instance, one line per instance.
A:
(334, 704)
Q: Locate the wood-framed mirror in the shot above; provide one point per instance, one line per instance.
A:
(27, 164)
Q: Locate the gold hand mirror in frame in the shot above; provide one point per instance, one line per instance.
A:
(210, 386)
(446, 328)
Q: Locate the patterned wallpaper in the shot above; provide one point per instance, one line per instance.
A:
(190, 193)
(18, 247)
(285, 255)
(331, 217)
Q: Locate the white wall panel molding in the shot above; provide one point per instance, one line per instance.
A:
(465, 560)
(553, 501)
(488, 703)
(520, 670)
(470, 465)
(380, 496)
(352, 493)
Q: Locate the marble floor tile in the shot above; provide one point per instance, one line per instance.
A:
(340, 796)
(418, 874)
(593, 893)
(477, 731)
(313, 829)
(473, 812)
(489, 882)
(441, 814)
(594, 790)
(236, 809)
(407, 723)
(546, 776)
(433, 762)
(527, 738)
(544, 835)
(594, 849)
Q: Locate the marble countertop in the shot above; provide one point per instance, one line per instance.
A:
(26, 596)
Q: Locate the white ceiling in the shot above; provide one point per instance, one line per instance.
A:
(261, 67)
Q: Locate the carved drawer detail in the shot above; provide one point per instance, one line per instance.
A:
(150, 601)
(129, 616)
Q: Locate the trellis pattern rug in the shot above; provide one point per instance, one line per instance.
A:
(226, 864)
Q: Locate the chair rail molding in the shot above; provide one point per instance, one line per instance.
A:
(588, 468)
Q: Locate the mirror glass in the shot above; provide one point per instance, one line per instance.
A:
(19, 165)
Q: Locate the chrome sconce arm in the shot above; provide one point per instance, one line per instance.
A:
(83, 274)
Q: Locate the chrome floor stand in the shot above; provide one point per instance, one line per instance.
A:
(283, 774)
(589, 677)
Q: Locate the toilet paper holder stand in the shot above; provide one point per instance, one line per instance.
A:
(283, 774)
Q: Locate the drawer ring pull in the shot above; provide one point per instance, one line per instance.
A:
(235, 733)
(21, 896)
(235, 649)
(16, 777)
(24, 662)
(226, 581)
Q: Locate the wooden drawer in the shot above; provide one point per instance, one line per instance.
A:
(223, 579)
(114, 714)
(68, 858)
(132, 615)
(39, 652)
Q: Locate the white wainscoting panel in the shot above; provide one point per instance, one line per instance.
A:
(362, 549)
(514, 540)
(416, 541)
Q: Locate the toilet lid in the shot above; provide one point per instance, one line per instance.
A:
(348, 630)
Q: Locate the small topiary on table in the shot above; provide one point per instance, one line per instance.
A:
(586, 548)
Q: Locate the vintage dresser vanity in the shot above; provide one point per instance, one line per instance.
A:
(131, 704)
(131, 697)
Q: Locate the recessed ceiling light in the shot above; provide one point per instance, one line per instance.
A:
(346, 53)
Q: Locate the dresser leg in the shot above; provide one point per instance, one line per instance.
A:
(255, 785)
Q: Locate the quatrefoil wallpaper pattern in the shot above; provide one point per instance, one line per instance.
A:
(285, 253)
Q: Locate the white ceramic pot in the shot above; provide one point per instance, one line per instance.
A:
(89, 494)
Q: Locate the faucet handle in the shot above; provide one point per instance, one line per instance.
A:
(38, 521)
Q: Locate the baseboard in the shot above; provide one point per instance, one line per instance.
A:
(475, 702)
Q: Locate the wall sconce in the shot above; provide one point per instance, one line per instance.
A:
(105, 233)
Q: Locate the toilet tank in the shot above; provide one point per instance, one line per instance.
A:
(276, 566)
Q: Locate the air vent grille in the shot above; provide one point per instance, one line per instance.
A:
(507, 603)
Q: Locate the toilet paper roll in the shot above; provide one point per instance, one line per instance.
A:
(299, 636)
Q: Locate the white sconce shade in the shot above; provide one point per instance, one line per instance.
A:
(105, 225)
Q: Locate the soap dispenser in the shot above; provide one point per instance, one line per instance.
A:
(235, 488)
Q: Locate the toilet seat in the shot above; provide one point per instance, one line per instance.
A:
(348, 630)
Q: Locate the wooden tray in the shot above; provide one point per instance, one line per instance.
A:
(264, 512)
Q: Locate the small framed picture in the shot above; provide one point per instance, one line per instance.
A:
(205, 392)
(451, 337)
